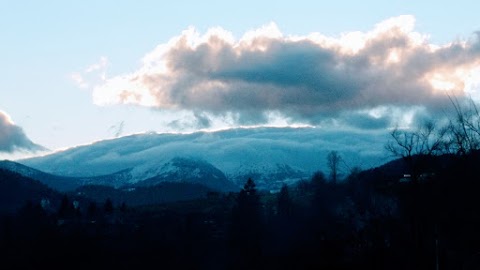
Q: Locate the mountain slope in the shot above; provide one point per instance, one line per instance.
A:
(184, 170)
(60, 183)
(272, 176)
(237, 153)
(16, 190)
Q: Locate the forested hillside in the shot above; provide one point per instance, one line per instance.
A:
(373, 219)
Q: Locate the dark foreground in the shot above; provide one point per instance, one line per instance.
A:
(370, 220)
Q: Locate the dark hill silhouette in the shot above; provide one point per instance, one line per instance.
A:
(65, 183)
(165, 192)
(59, 183)
(16, 190)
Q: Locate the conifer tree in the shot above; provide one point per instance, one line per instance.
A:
(66, 209)
(108, 206)
(284, 202)
(246, 231)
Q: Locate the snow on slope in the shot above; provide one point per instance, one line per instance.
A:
(236, 152)
(191, 171)
(268, 175)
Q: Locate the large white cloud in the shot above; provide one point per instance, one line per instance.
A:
(309, 79)
(12, 137)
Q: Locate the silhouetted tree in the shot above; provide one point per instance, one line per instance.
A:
(318, 181)
(92, 210)
(32, 212)
(66, 209)
(333, 162)
(464, 127)
(284, 202)
(246, 231)
(418, 145)
(108, 206)
(248, 203)
(324, 199)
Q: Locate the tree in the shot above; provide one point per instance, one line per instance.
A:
(248, 202)
(418, 145)
(325, 197)
(66, 209)
(464, 127)
(108, 206)
(284, 202)
(424, 139)
(333, 162)
(250, 188)
(246, 230)
(92, 210)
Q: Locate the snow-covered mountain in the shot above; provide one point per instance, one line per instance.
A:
(190, 171)
(178, 170)
(269, 155)
(268, 175)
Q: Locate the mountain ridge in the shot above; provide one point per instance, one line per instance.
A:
(288, 154)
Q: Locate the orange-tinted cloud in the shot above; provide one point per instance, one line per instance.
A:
(304, 78)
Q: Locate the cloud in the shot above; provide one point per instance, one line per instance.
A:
(232, 151)
(12, 137)
(100, 65)
(91, 75)
(309, 79)
(79, 80)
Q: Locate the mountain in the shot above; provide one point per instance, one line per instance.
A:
(270, 155)
(60, 183)
(66, 183)
(273, 176)
(16, 190)
(177, 170)
(180, 179)
(185, 170)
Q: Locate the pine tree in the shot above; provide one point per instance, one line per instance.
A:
(66, 209)
(108, 206)
(246, 233)
(284, 203)
(92, 210)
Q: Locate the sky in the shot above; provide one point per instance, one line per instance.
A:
(78, 72)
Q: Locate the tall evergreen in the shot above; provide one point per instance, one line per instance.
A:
(108, 206)
(284, 202)
(66, 209)
(246, 231)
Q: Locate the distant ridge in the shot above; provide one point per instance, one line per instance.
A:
(271, 155)
(16, 190)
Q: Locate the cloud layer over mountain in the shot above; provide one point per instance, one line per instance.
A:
(232, 151)
(12, 137)
(366, 80)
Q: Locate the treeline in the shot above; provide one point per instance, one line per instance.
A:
(372, 219)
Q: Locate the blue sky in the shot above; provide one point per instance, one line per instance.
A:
(45, 44)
